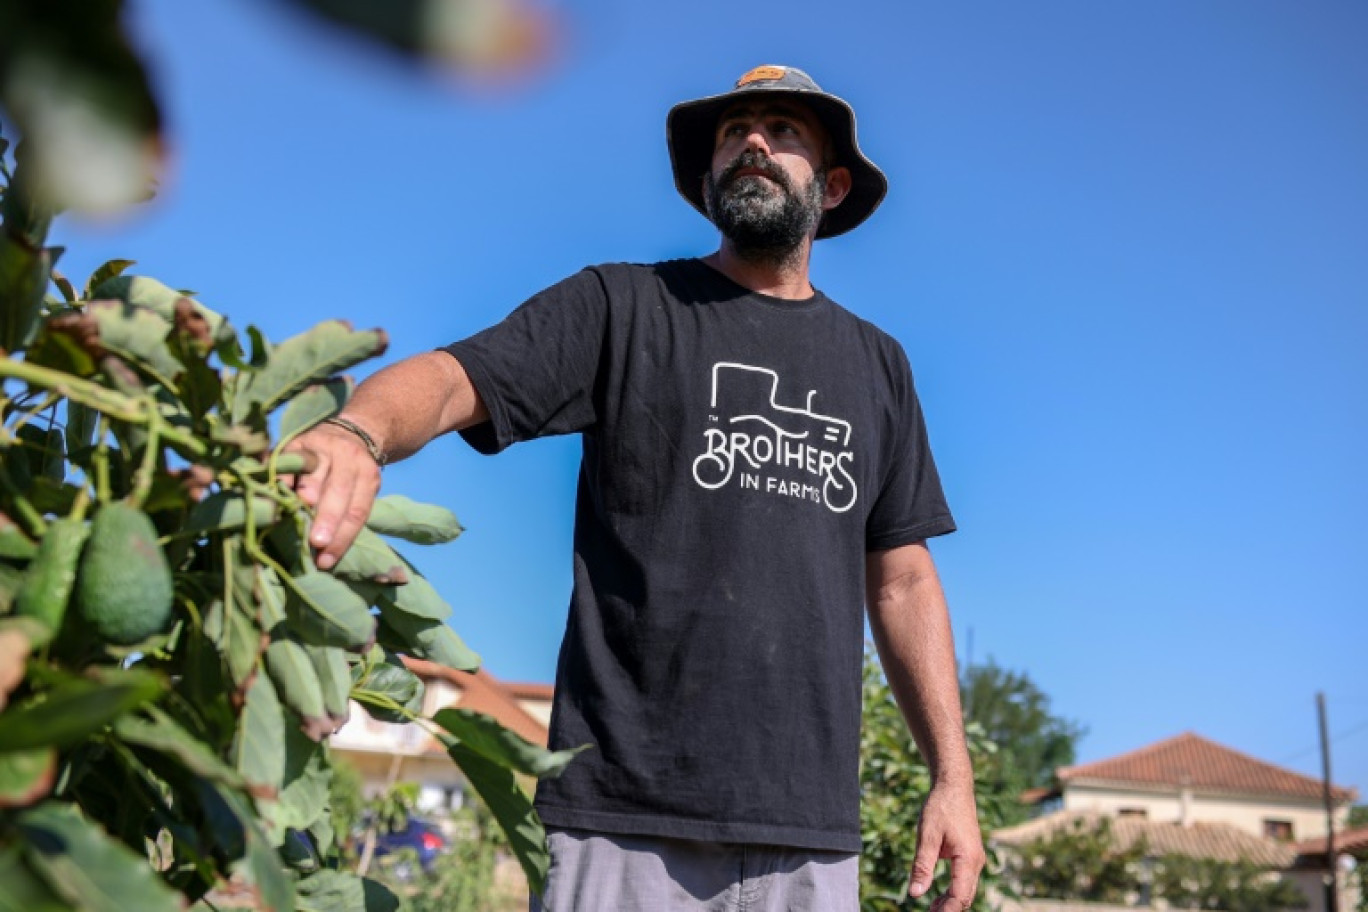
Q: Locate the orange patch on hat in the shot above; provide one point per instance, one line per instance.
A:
(760, 73)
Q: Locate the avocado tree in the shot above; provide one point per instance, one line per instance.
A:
(171, 660)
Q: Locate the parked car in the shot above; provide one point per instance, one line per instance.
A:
(423, 837)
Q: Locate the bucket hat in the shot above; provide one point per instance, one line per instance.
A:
(690, 134)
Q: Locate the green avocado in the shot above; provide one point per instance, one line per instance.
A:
(124, 588)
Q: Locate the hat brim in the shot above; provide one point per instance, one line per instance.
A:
(690, 134)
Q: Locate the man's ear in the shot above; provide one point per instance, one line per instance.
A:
(838, 184)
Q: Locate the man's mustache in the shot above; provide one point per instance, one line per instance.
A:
(757, 162)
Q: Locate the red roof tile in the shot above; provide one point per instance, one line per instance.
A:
(1207, 839)
(482, 693)
(1348, 842)
(1202, 765)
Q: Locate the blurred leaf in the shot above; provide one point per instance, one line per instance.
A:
(310, 357)
(85, 866)
(260, 867)
(392, 680)
(137, 334)
(417, 599)
(511, 807)
(24, 890)
(26, 776)
(64, 286)
(226, 511)
(316, 402)
(297, 685)
(230, 351)
(43, 452)
(161, 299)
(432, 640)
(339, 891)
(75, 708)
(491, 740)
(236, 637)
(166, 736)
(14, 544)
(103, 273)
(24, 265)
(304, 796)
(81, 422)
(324, 611)
(420, 523)
(259, 746)
(334, 680)
(371, 559)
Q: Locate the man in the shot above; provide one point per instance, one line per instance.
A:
(755, 469)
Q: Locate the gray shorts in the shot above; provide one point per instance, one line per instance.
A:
(608, 872)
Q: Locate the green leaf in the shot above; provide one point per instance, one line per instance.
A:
(334, 679)
(104, 273)
(259, 746)
(340, 891)
(236, 638)
(296, 683)
(498, 788)
(14, 544)
(26, 776)
(432, 640)
(226, 511)
(491, 740)
(371, 559)
(137, 334)
(316, 402)
(64, 286)
(230, 352)
(81, 422)
(24, 890)
(310, 357)
(164, 735)
(324, 611)
(304, 797)
(261, 867)
(75, 708)
(81, 863)
(23, 282)
(416, 599)
(161, 299)
(420, 523)
(392, 680)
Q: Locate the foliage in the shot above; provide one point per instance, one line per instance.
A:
(1358, 816)
(461, 879)
(1015, 715)
(1082, 862)
(894, 784)
(1078, 862)
(1199, 883)
(147, 759)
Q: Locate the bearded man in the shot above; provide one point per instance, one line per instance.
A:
(755, 469)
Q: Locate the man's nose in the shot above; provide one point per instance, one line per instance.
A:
(756, 141)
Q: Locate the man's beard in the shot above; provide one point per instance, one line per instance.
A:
(766, 224)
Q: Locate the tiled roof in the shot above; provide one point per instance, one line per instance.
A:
(1202, 765)
(1217, 841)
(527, 690)
(481, 692)
(1349, 842)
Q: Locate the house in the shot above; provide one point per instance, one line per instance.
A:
(385, 753)
(1191, 796)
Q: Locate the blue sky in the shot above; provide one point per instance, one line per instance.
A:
(1126, 249)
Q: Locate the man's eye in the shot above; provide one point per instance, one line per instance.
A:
(732, 129)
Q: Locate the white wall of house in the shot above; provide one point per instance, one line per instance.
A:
(1249, 814)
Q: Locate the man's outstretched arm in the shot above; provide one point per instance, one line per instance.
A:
(401, 407)
(911, 625)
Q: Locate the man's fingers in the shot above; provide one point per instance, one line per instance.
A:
(924, 864)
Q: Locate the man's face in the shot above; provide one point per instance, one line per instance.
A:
(768, 185)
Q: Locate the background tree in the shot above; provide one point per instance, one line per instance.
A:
(1200, 883)
(1081, 862)
(1014, 713)
(894, 783)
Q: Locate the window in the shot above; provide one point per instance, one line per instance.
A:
(1280, 830)
(1142, 813)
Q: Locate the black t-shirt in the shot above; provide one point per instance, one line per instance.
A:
(742, 453)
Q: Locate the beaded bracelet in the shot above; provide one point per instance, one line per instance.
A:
(371, 446)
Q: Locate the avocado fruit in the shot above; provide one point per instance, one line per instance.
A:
(124, 589)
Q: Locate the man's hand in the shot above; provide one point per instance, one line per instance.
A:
(949, 829)
(341, 487)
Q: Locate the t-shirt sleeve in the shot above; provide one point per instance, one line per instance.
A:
(536, 370)
(911, 505)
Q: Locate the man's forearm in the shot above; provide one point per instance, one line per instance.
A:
(407, 404)
(911, 624)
